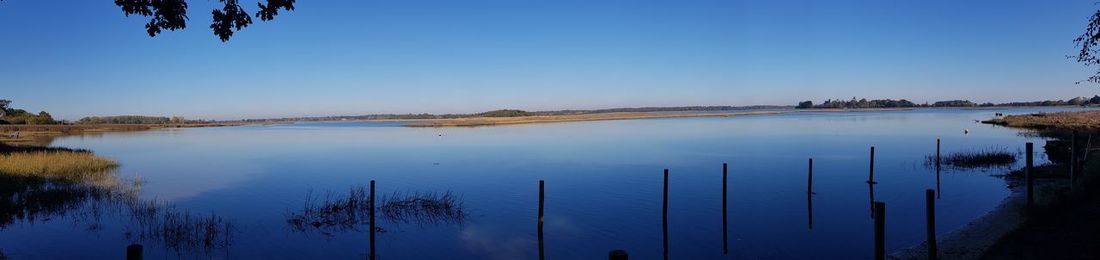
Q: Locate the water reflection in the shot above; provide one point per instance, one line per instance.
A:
(871, 194)
(105, 197)
(602, 172)
(344, 212)
(179, 231)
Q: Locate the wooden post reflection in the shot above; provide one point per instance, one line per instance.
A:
(871, 191)
(810, 194)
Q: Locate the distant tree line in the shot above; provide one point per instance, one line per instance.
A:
(890, 103)
(861, 103)
(144, 120)
(504, 113)
(15, 116)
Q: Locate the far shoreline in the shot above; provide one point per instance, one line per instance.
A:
(493, 121)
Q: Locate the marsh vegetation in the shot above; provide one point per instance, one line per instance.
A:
(39, 184)
(343, 212)
(989, 157)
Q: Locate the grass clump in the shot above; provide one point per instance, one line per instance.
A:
(984, 158)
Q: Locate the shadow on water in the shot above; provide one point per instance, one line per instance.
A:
(349, 212)
(32, 199)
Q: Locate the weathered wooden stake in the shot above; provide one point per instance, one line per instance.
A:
(542, 197)
(725, 210)
(930, 209)
(937, 152)
(810, 177)
(372, 254)
(664, 216)
(618, 254)
(871, 176)
(1029, 149)
(880, 230)
(134, 252)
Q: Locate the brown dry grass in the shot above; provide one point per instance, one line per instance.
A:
(1060, 120)
(490, 121)
(64, 165)
(30, 134)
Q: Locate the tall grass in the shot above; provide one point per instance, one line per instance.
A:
(74, 166)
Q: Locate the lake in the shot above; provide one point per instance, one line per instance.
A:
(603, 188)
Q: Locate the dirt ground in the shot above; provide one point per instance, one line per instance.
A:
(1068, 231)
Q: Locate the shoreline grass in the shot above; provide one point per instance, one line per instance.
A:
(73, 166)
(1080, 120)
(41, 134)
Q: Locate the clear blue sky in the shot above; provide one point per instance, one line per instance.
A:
(77, 58)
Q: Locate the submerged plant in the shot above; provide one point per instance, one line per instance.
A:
(423, 208)
(350, 211)
(178, 230)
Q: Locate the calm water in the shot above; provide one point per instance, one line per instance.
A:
(603, 187)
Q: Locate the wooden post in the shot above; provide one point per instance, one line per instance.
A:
(664, 216)
(880, 230)
(542, 192)
(810, 177)
(134, 252)
(372, 255)
(930, 210)
(725, 210)
(618, 254)
(1029, 149)
(938, 190)
(871, 176)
